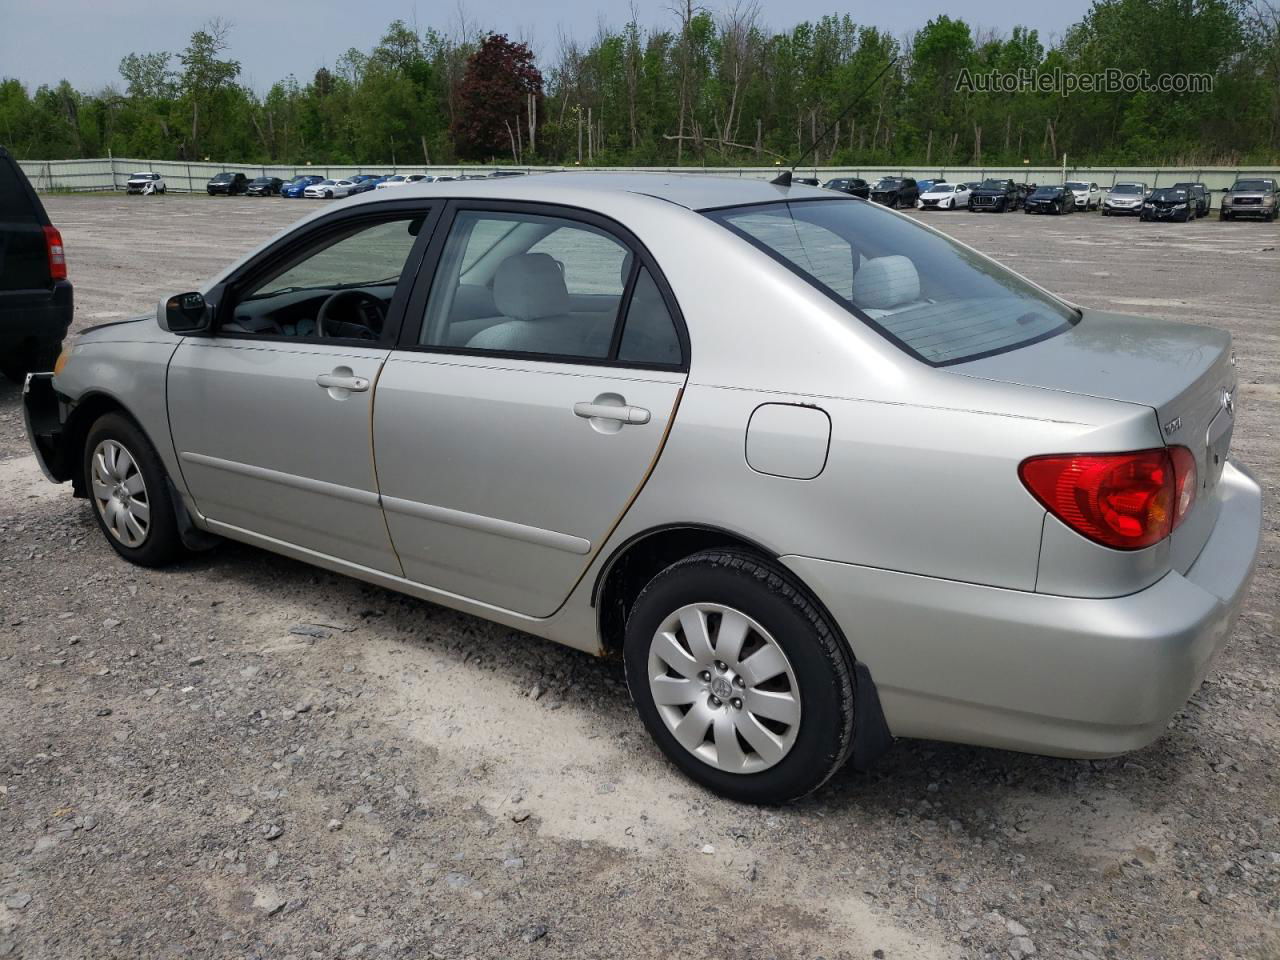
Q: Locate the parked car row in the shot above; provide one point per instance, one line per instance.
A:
(304, 185)
(1254, 197)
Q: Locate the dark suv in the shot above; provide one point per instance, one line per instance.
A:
(854, 186)
(896, 192)
(35, 294)
(997, 195)
(228, 183)
(1198, 194)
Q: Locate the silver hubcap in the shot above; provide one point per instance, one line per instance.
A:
(120, 493)
(724, 688)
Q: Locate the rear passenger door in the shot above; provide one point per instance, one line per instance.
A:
(526, 402)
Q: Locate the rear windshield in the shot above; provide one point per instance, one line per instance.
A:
(933, 297)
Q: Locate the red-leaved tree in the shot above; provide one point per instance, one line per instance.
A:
(500, 100)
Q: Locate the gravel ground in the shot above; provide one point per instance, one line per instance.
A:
(247, 757)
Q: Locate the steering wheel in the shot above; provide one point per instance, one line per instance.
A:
(367, 307)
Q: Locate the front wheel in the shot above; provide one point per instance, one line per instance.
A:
(129, 490)
(741, 681)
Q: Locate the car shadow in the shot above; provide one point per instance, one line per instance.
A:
(911, 771)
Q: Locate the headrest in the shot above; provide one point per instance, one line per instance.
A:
(529, 286)
(885, 282)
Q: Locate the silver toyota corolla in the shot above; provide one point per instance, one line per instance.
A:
(819, 474)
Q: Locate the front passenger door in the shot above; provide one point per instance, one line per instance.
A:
(272, 414)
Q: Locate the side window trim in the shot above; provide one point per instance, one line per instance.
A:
(312, 239)
(414, 314)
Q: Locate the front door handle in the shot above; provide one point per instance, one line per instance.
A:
(611, 411)
(337, 381)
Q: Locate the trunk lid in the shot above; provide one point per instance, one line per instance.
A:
(1185, 373)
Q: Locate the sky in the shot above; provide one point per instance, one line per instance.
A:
(43, 41)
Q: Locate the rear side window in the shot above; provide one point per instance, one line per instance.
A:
(548, 287)
(649, 335)
(936, 299)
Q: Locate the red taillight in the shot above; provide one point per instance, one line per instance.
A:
(57, 258)
(1123, 500)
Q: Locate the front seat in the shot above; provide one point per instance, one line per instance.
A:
(530, 294)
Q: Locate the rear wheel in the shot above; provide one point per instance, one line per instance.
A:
(739, 678)
(130, 493)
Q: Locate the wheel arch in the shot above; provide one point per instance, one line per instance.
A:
(639, 558)
(83, 414)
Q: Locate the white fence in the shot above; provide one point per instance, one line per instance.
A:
(180, 176)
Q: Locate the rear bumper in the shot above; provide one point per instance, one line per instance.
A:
(36, 314)
(1040, 673)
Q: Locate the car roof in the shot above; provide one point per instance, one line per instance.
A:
(577, 188)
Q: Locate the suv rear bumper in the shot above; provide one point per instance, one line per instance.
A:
(1041, 673)
(40, 314)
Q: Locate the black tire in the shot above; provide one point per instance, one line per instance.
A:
(162, 544)
(821, 662)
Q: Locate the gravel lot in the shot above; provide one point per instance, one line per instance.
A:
(247, 757)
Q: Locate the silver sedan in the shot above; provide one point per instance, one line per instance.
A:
(819, 475)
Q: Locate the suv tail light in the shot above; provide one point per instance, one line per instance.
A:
(1123, 500)
(57, 258)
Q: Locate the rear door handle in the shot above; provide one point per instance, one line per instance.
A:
(334, 381)
(611, 411)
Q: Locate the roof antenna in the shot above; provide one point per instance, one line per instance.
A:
(784, 178)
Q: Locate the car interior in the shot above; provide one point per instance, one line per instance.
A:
(341, 290)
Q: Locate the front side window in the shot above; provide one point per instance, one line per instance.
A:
(340, 288)
(544, 286)
(935, 298)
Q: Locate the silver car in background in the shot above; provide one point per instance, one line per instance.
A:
(819, 475)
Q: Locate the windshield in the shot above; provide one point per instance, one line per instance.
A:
(887, 183)
(1169, 194)
(261, 179)
(1046, 191)
(1127, 188)
(1259, 185)
(941, 188)
(938, 300)
(1076, 185)
(222, 178)
(992, 185)
(145, 176)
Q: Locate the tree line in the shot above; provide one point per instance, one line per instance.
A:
(707, 87)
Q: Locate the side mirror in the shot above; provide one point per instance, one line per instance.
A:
(184, 313)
